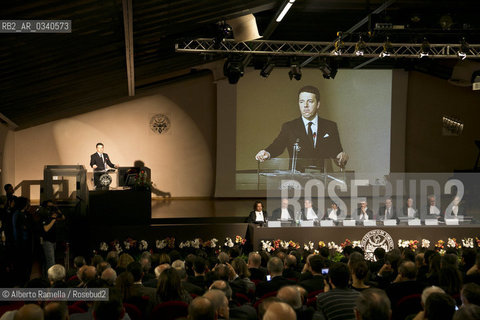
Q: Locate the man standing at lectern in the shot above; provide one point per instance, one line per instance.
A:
(99, 162)
(317, 138)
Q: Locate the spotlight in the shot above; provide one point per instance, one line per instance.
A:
(387, 49)
(424, 49)
(464, 49)
(338, 45)
(233, 69)
(295, 71)
(223, 30)
(360, 47)
(267, 69)
(284, 11)
(329, 70)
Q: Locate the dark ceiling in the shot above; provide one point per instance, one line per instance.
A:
(44, 77)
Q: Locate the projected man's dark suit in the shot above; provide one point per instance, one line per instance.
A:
(327, 145)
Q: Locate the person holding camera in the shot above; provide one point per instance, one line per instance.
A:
(49, 215)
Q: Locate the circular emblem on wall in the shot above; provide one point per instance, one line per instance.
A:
(376, 239)
(105, 180)
(160, 123)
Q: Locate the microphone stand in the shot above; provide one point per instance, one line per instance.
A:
(296, 149)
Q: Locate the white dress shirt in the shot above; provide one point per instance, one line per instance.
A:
(314, 128)
(434, 210)
(285, 214)
(259, 216)
(455, 210)
(311, 214)
(333, 214)
(363, 215)
(411, 213)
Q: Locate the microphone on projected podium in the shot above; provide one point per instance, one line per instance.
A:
(296, 149)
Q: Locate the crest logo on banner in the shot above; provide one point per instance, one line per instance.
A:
(376, 239)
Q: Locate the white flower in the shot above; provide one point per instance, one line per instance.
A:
(266, 246)
(425, 243)
(103, 246)
(284, 244)
(356, 243)
(196, 243)
(160, 244)
(213, 242)
(467, 242)
(126, 244)
(228, 242)
(451, 243)
(331, 245)
(143, 245)
(118, 248)
(311, 245)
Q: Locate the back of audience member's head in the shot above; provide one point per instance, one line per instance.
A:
(79, 261)
(393, 257)
(37, 283)
(275, 266)
(379, 254)
(254, 259)
(111, 309)
(102, 266)
(56, 273)
(169, 286)
(439, 306)
(109, 275)
(160, 268)
(29, 311)
(280, 310)
(124, 284)
(355, 257)
(450, 260)
(339, 275)
(112, 258)
(135, 268)
(223, 257)
(178, 264)
(219, 301)
(174, 255)
(265, 257)
(408, 270)
(164, 258)
(359, 269)
(290, 261)
(182, 273)
(347, 251)
(240, 267)
(408, 254)
(450, 279)
(316, 263)
(428, 255)
(290, 295)
(469, 255)
(324, 252)
(96, 259)
(124, 260)
(373, 304)
(56, 311)
(146, 261)
(468, 312)
(419, 260)
(221, 272)
(223, 286)
(471, 294)
(199, 265)
(88, 274)
(359, 250)
(428, 291)
(263, 306)
(201, 309)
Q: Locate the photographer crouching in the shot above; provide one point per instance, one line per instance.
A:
(50, 215)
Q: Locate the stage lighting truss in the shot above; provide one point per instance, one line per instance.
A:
(323, 49)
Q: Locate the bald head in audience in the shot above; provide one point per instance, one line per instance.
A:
(56, 311)
(201, 309)
(29, 312)
(279, 310)
(290, 295)
(254, 260)
(373, 304)
(109, 275)
(219, 301)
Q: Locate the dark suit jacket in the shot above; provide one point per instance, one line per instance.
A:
(251, 218)
(275, 284)
(314, 284)
(304, 214)
(277, 213)
(96, 159)
(257, 274)
(381, 213)
(328, 142)
(358, 213)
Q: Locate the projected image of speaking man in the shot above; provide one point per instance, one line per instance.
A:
(317, 138)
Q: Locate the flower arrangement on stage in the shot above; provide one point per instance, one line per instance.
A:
(142, 181)
(467, 242)
(440, 244)
(239, 240)
(425, 243)
(310, 246)
(321, 244)
(267, 246)
(452, 243)
(412, 244)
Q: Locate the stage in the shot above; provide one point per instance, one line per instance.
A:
(187, 219)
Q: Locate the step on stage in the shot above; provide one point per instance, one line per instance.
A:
(122, 214)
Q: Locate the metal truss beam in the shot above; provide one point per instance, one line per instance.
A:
(310, 49)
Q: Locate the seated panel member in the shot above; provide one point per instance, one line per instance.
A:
(364, 213)
(285, 212)
(387, 211)
(432, 208)
(308, 211)
(257, 216)
(458, 209)
(410, 211)
(317, 138)
(333, 212)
